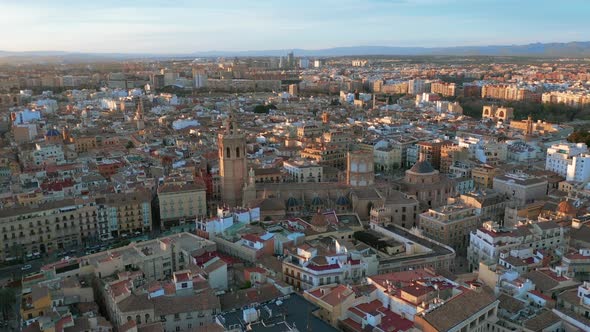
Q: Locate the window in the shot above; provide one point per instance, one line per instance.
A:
(227, 153)
(176, 316)
(177, 328)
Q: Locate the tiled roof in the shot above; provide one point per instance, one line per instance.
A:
(458, 309)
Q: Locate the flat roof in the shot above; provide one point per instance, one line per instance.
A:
(298, 314)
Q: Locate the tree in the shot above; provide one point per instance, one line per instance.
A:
(7, 300)
(130, 145)
(579, 137)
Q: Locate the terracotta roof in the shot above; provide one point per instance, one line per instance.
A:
(167, 305)
(459, 309)
(510, 304)
(541, 321)
(422, 167)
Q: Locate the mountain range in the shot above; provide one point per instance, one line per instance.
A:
(570, 49)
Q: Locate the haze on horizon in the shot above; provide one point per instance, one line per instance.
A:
(161, 26)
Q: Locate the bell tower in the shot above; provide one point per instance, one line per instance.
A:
(139, 115)
(232, 162)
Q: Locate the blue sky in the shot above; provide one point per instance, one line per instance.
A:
(169, 26)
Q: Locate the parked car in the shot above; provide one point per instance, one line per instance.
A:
(26, 267)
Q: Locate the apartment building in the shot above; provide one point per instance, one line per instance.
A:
(156, 259)
(181, 202)
(124, 213)
(450, 225)
(444, 88)
(521, 188)
(303, 171)
(181, 305)
(47, 227)
(570, 160)
(487, 242)
(307, 266)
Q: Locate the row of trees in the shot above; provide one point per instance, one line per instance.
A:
(556, 113)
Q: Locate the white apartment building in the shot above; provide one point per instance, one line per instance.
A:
(45, 154)
(306, 267)
(570, 160)
(488, 241)
(300, 171)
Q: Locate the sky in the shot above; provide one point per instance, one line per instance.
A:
(183, 26)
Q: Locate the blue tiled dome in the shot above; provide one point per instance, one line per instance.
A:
(317, 201)
(342, 200)
(52, 133)
(292, 202)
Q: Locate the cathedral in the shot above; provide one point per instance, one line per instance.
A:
(279, 200)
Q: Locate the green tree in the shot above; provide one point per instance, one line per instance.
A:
(7, 300)
(579, 137)
(130, 145)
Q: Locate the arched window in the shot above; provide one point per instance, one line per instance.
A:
(237, 152)
(128, 318)
(147, 318)
(138, 319)
(227, 153)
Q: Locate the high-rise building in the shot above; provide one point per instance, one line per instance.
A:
(290, 60)
(318, 63)
(157, 81)
(232, 162)
(303, 63)
(416, 86)
(199, 78)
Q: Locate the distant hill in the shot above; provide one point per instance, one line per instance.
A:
(571, 49)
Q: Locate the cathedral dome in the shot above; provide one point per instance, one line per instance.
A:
(292, 202)
(316, 201)
(422, 167)
(342, 201)
(52, 133)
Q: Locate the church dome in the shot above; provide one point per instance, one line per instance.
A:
(422, 167)
(342, 201)
(565, 207)
(292, 202)
(52, 133)
(317, 201)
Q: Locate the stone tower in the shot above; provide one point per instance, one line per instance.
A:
(232, 162)
(139, 115)
(360, 170)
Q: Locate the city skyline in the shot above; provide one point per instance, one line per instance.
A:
(184, 27)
